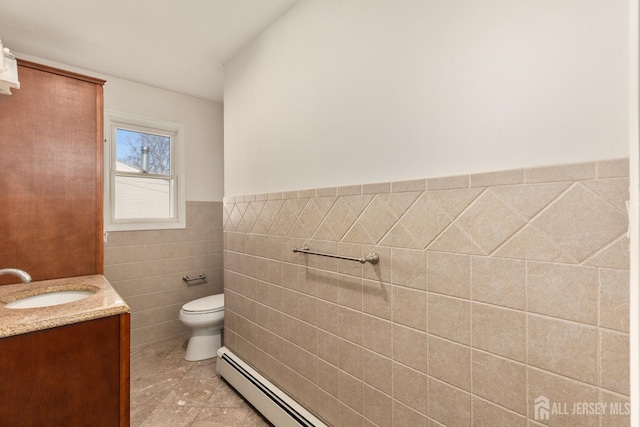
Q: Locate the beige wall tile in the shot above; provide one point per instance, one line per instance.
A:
(350, 325)
(448, 183)
(615, 190)
(449, 274)
(449, 362)
(308, 308)
(152, 283)
(410, 307)
(568, 172)
(382, 187)
(341, 217)
(448, 318)
(308, 366)
(377, 298)
(614, 299)
(290, 274)
(560, 391)
(328, 407)
(327, 316)
(290, 194)
(499, 281)
(489, 221)
(454, 202)
(308, 337)
(413, 185)
(563, 347)
(614, 168)
(377, 371)
(325, 283)
(417, 228)
(368, 358)
(408, 268)
(348, 267)
(350, 291)
(531, 244)
(379, 216)
(530, 199)
(351, 358)
(405, 416)
(499, 330)
(581, 212)
(410, 347)
(486, 414)
(618, 409)
(616, 255)
(349, 417)
(500, 381)
(329, 347)
(327, 377)
(350, 190)
(377, 335)
(449, 405)
(410, 387)
(614, 361)
(113, 255)
(290, 300)
(350, 391)
(378, 407)
(491, 179)
(380, 272)
(565, 291)
(308, 393)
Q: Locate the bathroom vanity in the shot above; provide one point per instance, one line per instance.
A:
(65, 364)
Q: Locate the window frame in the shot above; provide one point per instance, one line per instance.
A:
(137, 123)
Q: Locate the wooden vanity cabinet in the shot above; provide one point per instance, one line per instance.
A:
(74, 375)
(51, 174)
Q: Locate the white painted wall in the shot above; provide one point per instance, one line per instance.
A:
(203, 122)
(342, 92)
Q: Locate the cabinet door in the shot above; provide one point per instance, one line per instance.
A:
(72, 376)
(51, 175)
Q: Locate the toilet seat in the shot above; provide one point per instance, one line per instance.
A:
(210, 304)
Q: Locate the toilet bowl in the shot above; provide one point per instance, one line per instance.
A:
(206, 318)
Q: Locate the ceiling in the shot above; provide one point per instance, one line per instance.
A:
(171, 44)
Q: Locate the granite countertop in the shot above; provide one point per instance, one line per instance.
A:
(105, 302)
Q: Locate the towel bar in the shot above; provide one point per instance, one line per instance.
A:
(191, 279)
(373, 257)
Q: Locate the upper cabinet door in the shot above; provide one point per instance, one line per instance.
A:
(51, 174)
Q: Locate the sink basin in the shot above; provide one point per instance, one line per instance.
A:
(50, 299)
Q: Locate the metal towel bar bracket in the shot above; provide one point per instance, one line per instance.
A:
(373, 257)
(191, 279)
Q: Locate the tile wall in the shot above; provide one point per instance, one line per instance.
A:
(492, 290)
(146, 268)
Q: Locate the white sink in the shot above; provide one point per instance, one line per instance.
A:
(49, 299)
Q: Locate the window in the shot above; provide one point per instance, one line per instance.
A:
(144, 160)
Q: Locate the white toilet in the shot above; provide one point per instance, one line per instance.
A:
(206, 317)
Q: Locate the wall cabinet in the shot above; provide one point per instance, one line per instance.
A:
(51, 174)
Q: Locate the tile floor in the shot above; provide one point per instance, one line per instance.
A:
(168, 391)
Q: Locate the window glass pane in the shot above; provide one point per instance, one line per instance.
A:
(143, 152)
(143, 197)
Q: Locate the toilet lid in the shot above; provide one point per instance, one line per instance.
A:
(205, 304)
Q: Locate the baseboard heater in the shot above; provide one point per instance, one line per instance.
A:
(269, 400)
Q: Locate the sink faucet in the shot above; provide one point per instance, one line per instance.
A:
(23, 275)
